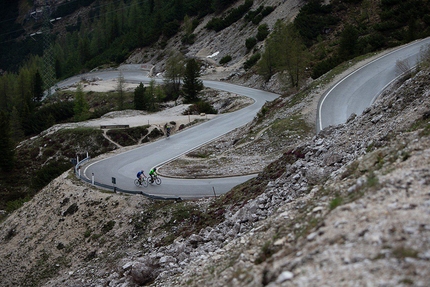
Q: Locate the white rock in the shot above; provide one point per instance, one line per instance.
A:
(284, 276)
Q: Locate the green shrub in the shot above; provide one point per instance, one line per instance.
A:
(225, 60)
(121, 137)
(250, 43)
(188, 39)
(267, 250)
(49, 151)
(15, 204)
(155, 133)
(257, 15)
(267, 10)
(324, 66)
(234, 15)
(263, 32)
(251, 61)
(252, 14)
(108, 226)
(313, 18)
(335, 202)
(202, 107)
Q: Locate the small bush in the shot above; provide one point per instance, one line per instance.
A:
(403, 252)
(267, 250)
(267, 10)
(335, 202)
(263, 32)
(49, 151)
(108, 226)
(225, 60)
(234, 15)
(72, 209)
(251, 61)
(188, 39)
(202, 107)
(155, 133)
(15, 204)
(372, 180)
(250, 43)
(324, 66)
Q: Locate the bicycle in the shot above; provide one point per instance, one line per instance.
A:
(155, 179)
(142, 182)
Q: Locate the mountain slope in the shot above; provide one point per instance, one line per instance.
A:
(347, 207)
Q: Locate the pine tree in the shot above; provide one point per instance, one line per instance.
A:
(37, 87)
(15, 124)
(284, 51)
(81, 106)
(174, 71)
(120, 90)
(151, 97)
(139, 97)
(7, 151)
(192, 84)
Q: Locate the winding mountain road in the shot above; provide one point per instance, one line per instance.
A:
(123, 167)
(359, 90)
(352, 94)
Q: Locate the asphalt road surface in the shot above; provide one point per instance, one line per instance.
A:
(358, 90)
(122, 168)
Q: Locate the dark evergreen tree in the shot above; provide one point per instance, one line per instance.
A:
(175, 66)
(37, 87)
(120, 90)
(219, 5)
(151, 4)
(192, 84)
(84, 49)
(348, 42)
(7, 150)
(152, 96)
(81, 106)
(139, 97)
(17, 133)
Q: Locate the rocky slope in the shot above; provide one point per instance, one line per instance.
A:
(350, 207)
(210, 47)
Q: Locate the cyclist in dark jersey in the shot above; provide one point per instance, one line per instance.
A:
(140, 175)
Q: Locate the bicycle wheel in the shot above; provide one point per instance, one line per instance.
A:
(145, 182)
(158, 180)
(136, 182)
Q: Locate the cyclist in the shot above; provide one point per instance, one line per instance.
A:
(152, 173)
(140, 175)
(167, 127)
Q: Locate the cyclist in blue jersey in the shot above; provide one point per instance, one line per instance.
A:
(140, 175)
